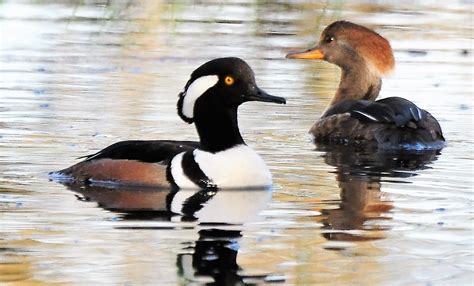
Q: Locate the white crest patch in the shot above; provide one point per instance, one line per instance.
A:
(195, 90)
(237, 167)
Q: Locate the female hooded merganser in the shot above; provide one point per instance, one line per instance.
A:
(220, 160)
(354, 116)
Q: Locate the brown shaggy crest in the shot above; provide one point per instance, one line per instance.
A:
(373, 47)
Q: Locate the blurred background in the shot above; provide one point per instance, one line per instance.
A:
(76, 76)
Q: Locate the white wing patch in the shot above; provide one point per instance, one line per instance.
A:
(237, 167)
(367, 115)
(195, 90)
(419, 113)
(413, 113)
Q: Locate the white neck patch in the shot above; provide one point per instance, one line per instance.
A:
(194, 91)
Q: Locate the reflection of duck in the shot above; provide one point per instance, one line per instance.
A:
(359, 174)
(206, 205)
(220, 160)
(353, 115)
(214, 254)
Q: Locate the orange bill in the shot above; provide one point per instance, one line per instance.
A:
(314, 53)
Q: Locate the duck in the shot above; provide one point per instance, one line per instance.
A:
(354, 116)
(221, 159)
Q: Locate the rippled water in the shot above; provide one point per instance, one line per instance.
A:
(76, 76)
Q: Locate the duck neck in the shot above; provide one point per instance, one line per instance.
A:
(218, 128)
(357, 82)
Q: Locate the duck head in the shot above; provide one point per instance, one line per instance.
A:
(211, 97)
(363, 56)
(218, 85)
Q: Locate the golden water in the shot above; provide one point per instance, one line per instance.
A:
(80, 75)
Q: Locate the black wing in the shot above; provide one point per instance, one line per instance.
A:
(388, 110)
(152, 151)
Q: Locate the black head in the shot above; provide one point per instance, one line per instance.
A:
(226, 82)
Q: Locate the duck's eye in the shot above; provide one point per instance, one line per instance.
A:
(229, 80)
(328, 39)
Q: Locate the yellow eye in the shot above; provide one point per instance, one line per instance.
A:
(229, 80)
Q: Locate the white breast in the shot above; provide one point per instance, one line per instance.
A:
(237, 167)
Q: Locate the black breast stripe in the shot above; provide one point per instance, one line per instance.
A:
(196, 202)
(192, 170)
(193, 203)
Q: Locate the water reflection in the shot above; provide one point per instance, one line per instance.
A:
(214, 256)
(78, 76)
(360, 175)
(220, 215)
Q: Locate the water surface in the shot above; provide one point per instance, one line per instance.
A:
(76, 76)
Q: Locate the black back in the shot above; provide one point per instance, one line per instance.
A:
(151, 151)
(392, 122)
(388, 110)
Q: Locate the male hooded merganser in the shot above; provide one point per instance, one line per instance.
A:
(353, 115)
(220, 160)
